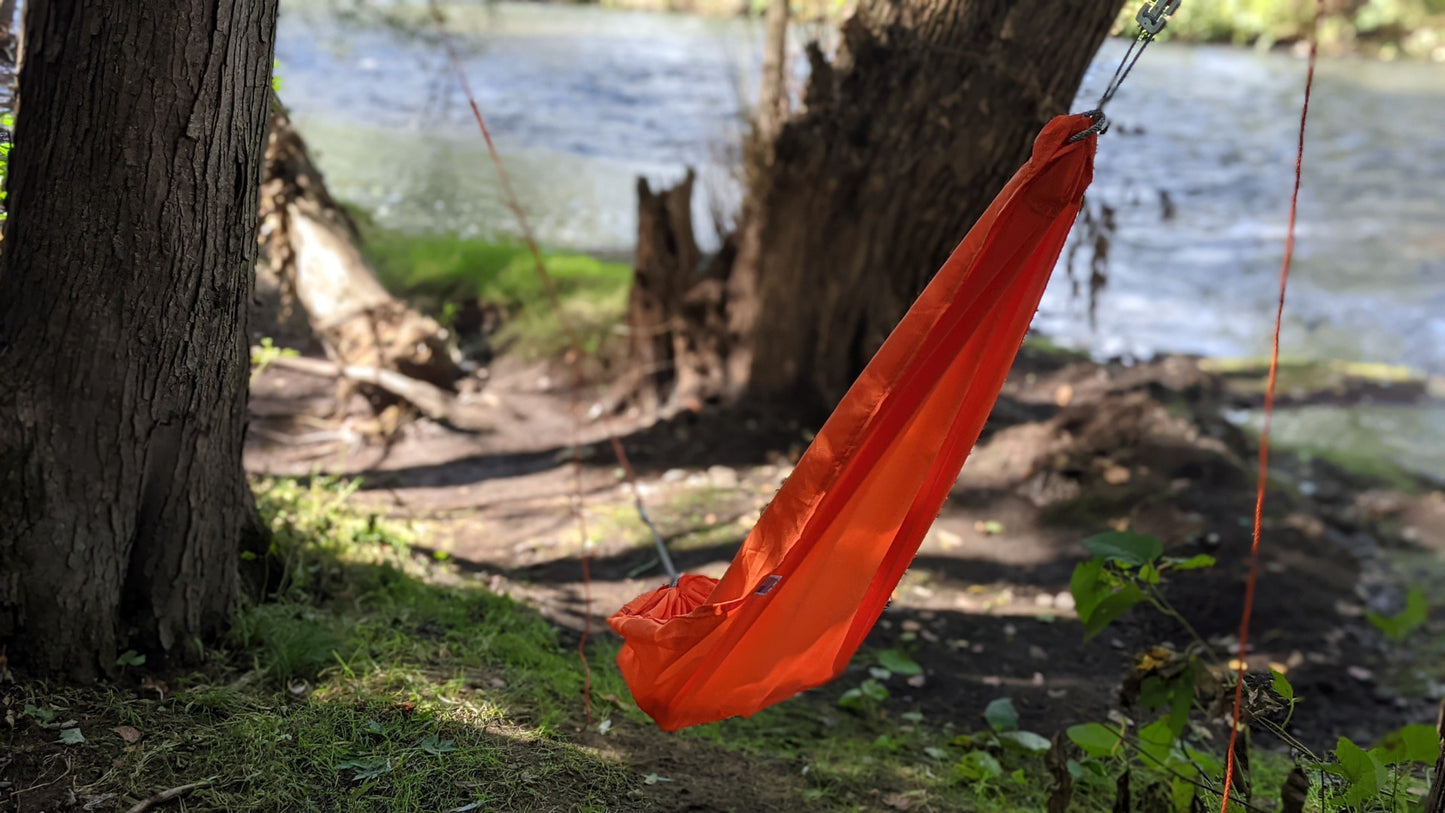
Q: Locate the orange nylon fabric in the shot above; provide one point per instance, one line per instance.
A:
(817, 570)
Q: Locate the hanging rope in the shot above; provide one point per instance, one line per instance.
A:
(1152, 18)
(573, 357)
(1263, 475)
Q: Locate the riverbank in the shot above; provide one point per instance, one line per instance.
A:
(1381, 29)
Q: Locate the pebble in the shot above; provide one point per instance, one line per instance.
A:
(1360, 673)
(1064, 601)
(722, 477)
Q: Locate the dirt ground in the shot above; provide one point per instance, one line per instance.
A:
(1073, 448)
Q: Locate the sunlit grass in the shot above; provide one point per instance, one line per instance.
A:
(449, 269)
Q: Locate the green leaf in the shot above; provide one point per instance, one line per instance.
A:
(1155, 693)
(898, 663)
(1362, 770)
(432, 744)
(879, 673)
(1096, 740)
(978, 766)
(365, 768)
(41, 714)
(1181, 793)
(873, 690)
(1156, 741)
(71, 736)
(866, 693)
(1125, 547)
(1282, 686)
(1413, 743)
(1026, 741)
(1086, 587)
(1212, 767)
(1398, 626)
(1110, 608)
(1196, 562)
(935, 752)
(1001, 715)
(1181, 701)
(130, 658)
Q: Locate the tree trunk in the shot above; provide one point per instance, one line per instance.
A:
(310, 246)
(904, 139)
(124, 286)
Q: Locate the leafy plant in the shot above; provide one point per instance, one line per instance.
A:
(266, 354)
(1397, 626)
(1129, 569)
(865, 696)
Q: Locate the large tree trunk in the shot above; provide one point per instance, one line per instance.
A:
(928, 109)
(124, 285)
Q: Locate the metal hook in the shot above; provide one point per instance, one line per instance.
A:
(1099, 127)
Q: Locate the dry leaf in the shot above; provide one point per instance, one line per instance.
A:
(897, 801)
(127, 733)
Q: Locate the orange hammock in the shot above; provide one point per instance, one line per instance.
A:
(817, 570)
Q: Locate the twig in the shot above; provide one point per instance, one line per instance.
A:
(167, 795)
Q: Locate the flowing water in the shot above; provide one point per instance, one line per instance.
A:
(1197, 171)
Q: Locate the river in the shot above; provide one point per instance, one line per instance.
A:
(582, 100)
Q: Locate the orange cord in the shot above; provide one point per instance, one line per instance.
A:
(574, 357)
(1263, 475)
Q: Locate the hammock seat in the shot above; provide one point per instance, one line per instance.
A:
(818, 569)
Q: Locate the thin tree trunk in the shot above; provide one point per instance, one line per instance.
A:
(905, 137)
(124, 285)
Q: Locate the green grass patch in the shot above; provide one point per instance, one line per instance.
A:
(367, 686)
(448, 269)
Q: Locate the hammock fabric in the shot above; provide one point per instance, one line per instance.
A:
(818, 569)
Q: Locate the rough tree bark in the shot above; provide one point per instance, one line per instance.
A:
(926, 111)
(124, 285)
(310, 245)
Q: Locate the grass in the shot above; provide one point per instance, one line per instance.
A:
(447, 269)
(366, 687)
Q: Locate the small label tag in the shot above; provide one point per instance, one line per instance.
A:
(768, 584)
